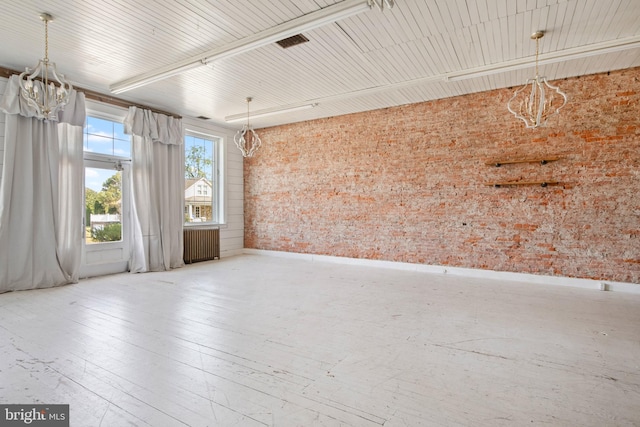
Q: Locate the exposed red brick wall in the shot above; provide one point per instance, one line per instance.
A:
(408, 184)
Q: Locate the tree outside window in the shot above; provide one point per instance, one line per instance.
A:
(103, 211)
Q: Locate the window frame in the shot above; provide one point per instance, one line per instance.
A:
(103, 258)
(218, 188)
(94, 159)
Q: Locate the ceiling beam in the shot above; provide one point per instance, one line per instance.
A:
(471, 73)
(565, 55)
(269, 112)
(306, 22)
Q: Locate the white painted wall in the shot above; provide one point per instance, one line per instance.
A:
(232, 231)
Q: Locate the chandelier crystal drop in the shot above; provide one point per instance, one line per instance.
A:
(537, 100)
(246, 139)
(42, 87)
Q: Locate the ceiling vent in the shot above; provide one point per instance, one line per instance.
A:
(292, 41)
(203, 118)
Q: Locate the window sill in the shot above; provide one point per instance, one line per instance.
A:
(204, 225)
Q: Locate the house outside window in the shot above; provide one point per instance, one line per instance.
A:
(203, 190)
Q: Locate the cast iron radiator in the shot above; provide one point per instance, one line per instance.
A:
(201, 244)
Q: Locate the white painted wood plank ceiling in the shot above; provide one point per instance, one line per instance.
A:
(371, 60)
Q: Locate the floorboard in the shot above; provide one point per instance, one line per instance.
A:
(260, 341)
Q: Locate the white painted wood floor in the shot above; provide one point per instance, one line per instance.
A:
(261, 341)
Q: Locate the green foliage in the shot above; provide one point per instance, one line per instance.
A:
(91, 202)
(197, 164)
(110, 233)
(111, 195)
(108, 200)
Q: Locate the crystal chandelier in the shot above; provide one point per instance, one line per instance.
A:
(537, 100)
(247, 139)
(37, 85)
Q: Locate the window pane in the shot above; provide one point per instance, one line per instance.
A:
(106, 137)
(103, 205)
(118, 131)
(122, 141)
(122, 148)
(100, 125)
(200, 182)
(99, 144)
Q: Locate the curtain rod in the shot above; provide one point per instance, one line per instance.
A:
(97, 96)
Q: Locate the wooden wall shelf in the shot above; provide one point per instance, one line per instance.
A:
(514, 183)
(543, 161)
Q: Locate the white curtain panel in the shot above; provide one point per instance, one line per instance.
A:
(157, 171)
(41, 194)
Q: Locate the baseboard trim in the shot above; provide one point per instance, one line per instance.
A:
(600, 285)
(231, 252)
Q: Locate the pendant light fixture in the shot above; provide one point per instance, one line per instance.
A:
(247, 139)
(37, 85)
(537, 100)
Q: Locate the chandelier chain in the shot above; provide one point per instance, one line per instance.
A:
(46, 39)
(537, 52)
(248, 101)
